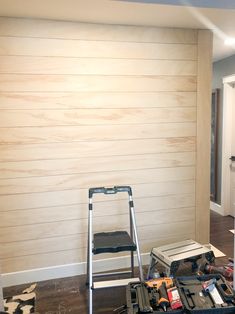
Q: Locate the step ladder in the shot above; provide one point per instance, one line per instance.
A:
(111, 242)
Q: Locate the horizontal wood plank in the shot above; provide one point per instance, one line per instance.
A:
(69, 30)
(65, 182)
(80, 211)
(22, 118)
(42, 260)
(119, 222)
(86, 83)
(182, 232)
(78, 196)
(96, 149)
(94, 66)
(92, 165)
(76, 242)
(58, 100)
(58, 134)
(39, 47)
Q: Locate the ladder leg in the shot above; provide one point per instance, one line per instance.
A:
(87, 260)
(151, 268)
(136, 239)
(132, 253)
(132, 264)
(90, 274)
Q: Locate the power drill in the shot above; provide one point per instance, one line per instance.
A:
(161, 285)
(227, 272)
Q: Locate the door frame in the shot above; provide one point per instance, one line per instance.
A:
(228, 96)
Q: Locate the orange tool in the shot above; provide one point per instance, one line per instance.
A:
(157, 282)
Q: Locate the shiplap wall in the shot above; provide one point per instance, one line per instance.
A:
(84, 105)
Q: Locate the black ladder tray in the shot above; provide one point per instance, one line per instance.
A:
(112, 242)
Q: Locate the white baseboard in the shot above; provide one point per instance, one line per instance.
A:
(69, 270)
(217, 208)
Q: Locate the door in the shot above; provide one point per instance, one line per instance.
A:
(228, 153)
(232, 162)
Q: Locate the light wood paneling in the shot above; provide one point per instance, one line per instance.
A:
(90, 165)
(84, 180)
(54, 29)
(78, 196)
(202, 225)
(60, 228)
(96, 83)
(86, 105)
(58, 100)
(14, 118)
(96, 148)
(148, 234)
(74, 242)
(80, 211)
(35, 47)
(95, 66)
(58, 134)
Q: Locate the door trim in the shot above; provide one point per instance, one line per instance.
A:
(229, 87)
(216, 208)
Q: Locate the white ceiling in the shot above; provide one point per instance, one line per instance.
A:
(222, 21)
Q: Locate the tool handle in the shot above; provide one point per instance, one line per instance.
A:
(143, 299)
(113, 190)
(163, 292)
(163, 297)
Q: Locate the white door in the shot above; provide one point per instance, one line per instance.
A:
(228, 153)
(232, 163)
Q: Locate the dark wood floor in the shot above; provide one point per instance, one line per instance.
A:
(69, 295)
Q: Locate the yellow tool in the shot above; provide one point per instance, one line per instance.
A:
(157, 282)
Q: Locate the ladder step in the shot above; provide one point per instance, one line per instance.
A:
(114, 283)
(112, 274)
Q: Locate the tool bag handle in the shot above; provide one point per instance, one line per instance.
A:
(113, 190)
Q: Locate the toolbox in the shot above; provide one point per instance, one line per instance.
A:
(198, 294)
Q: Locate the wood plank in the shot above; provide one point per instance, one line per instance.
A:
(182, 232)
(20, 118)
(120, 222)
(85, 180)
(75, 242)
(95, 149)
(39, 47)
(78, 196)
(94, 66)
(42, 260)
(73, 30)
(205, 39)
(92, 165)
(59, 134)
(72, 83)
(80, 211)
(58, 100)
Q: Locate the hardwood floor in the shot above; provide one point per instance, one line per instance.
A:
(220, 236)
(69, 295)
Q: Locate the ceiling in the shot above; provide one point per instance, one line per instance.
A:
(137, 12)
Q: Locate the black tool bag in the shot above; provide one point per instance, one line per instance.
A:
(194, 298)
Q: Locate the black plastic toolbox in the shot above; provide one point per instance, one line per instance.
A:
(203, 302)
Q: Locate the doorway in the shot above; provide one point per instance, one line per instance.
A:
(228, 148)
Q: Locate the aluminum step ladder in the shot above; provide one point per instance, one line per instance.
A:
(111, 242)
